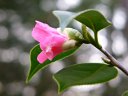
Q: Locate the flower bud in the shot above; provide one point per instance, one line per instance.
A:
(72, 34)
(75, 38)
(69, 44)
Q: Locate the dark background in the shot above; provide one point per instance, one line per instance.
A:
(17, 18)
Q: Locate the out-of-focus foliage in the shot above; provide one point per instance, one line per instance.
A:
(17, 18)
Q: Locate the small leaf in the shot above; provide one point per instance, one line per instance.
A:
(84, 74)
(87, 36)
(35, 66)
(91, 18)
(64, 17)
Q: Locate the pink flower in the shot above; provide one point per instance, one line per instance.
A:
(51, 41)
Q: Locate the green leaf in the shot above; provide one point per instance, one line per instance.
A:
(87, 36)
(84, 74)
(91, 18)
(35, 66)
(125, 93)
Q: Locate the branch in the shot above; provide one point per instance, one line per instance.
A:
(113, 61)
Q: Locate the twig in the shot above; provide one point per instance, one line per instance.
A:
(113, 61)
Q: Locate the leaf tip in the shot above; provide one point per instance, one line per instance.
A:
(27, 79)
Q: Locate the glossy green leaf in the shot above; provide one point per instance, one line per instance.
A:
(84, 74)
(91, 18)
(35, 66)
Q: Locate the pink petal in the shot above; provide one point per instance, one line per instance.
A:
(46, 27)
(47, 42)
(51, 41)
(41, 31)
(42, 57)
(49, 53)
(57, 51)
(52, 46)
(58, 40)
(39, 34)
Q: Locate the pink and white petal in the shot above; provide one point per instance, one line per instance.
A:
(47, 49)
(42, 57)
(49, 53)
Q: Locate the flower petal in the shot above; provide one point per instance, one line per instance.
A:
(49, 53)
(41, 31)
(58, 40)
(42, 57)
(51, 41)
(46, 27)
(52, 46)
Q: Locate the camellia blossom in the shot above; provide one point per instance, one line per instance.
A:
(51, 41)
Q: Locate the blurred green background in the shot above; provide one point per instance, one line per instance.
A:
(17, 18)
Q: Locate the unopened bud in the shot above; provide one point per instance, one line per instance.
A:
(69, 44)
(75, 38)
(106, 60)
(72, 34)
